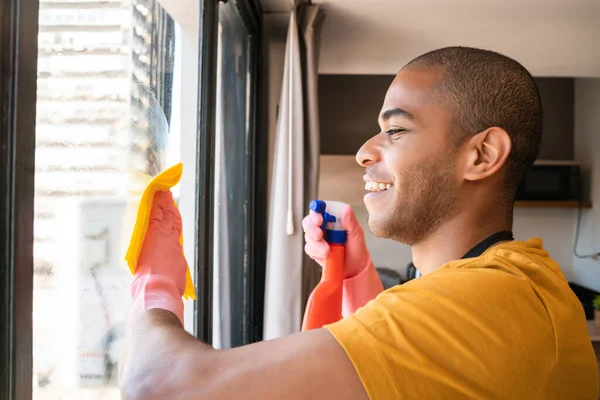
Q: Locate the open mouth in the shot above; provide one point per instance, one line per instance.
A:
(373, 186)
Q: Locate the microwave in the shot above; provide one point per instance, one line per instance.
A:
(551, 181)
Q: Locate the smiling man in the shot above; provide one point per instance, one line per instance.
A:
(491, 317)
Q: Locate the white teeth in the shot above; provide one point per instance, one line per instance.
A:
(377, 186)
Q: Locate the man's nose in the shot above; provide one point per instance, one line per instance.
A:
(369, 153)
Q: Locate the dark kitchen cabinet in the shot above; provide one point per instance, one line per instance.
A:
(349, 106)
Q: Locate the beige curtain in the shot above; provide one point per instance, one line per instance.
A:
(312, 19)
(294, 180)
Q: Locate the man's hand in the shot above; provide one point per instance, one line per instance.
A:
(361, 281)
(161, 253)
(159, 279)
(357, 255)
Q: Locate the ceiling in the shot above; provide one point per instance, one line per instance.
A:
(549, 37)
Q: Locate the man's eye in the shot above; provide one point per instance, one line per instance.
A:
(396, 131)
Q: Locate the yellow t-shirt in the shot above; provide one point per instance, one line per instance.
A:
(504, 325)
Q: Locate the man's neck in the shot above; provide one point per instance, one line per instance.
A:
(453, 239)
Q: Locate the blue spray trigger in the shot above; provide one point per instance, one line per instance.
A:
(327, 218)
(320, 206)
(336, 234)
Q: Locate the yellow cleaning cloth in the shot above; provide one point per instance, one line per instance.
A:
(162, 182)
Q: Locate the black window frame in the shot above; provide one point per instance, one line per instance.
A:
(257, 173)
(18, 84)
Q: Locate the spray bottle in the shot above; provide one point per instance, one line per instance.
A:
(325, 302)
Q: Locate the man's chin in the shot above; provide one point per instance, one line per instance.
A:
(378, 228)
(385, 229)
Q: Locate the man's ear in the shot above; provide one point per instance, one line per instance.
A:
(487, 152)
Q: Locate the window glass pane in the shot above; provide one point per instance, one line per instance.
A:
(231, 169)
(111, 113)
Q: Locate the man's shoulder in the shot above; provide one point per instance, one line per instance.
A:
(468, 288)
(467, 277)
(514, 263)
(495, 290)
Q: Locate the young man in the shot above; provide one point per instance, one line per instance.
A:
(491, 318)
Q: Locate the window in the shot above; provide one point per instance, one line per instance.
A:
(104, 126)
(233, 180)
(125, 88)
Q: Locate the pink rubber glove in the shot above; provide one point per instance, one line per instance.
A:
(159, 280)
(361, 281)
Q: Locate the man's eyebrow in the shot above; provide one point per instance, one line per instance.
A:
(396, 112)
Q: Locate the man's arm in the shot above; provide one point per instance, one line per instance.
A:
(162, 361)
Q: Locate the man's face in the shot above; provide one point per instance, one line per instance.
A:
(410, 165)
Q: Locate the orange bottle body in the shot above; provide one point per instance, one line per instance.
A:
(325, 302)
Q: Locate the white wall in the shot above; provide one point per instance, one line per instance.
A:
(550, 38)
(587, 152)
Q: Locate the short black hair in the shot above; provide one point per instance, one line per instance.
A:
(484, 89)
